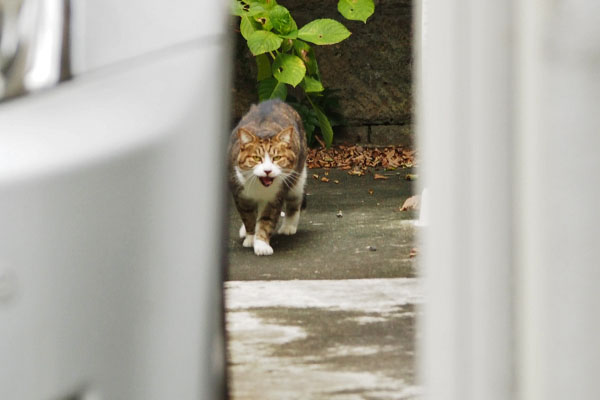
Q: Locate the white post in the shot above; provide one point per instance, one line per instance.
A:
(559, 194)
(509, 119)
(465, 124)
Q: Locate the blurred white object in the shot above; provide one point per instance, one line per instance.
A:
(559, 191)
(34, 45)
(110, 251)
(423, 220)
(508, 96)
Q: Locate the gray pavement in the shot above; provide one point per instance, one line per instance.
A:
(331, 315)
(330, 247)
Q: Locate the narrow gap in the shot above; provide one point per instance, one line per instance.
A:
(312, 309)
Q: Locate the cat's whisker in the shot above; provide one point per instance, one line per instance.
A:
(290, 177)
(286, 183)
(253, 179)
(292, 172)
(290, 181)
(285, 177)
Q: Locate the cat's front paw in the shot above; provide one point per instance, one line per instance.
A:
(286, 229)
(262, 248)
(248, 241)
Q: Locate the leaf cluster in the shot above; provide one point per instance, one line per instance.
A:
(285, 58)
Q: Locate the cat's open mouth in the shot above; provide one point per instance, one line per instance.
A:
(266, 181)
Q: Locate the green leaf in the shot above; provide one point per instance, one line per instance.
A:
(306, 54)
(261, 42)
(312, 85)
(323, 31)
(309, 118)
(302, 49)
(268, 4)
(259, 7)
(287, 45)
(288, 69)
(282, 21)
(309, 129)
(247, 27)
(356, 10)
(324, 124)
(264, 20)
(326, 129)
(263, 67)
(260, 14)
(238, 8)
(256, 8)
(271, 88)
(291, 35)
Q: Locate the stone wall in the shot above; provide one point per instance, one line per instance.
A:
(372, 70)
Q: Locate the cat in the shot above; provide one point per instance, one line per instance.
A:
(267, 172)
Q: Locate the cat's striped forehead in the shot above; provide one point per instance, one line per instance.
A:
(265, 130)
(254, 151)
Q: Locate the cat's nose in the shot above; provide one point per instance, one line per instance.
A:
(267, 171)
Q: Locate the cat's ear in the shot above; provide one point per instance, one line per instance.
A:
(285, 135)
(246, 136)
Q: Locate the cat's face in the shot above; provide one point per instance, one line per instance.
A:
(266, 158)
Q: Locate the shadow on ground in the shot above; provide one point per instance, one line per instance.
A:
(372, 238)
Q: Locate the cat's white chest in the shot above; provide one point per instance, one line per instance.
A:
(259, 193)
(254, 190)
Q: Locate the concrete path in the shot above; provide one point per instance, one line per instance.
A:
(331, 315)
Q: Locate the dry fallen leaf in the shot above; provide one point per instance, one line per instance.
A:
(379, 176)
(411, 177)
(315, 176)
(413, 252)
(348, 157)
(336, 181)
(371, 191)
(412, 203)
(356, 172)
(324, 179)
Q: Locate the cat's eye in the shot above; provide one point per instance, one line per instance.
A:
(276, 158)
(257, 158)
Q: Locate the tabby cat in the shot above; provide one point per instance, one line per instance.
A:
(267, 159)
